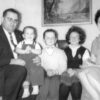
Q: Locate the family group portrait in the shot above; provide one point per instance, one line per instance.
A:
(49, 50)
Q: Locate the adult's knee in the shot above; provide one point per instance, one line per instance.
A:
(22, 71)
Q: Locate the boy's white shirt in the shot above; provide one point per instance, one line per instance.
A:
(54, 59)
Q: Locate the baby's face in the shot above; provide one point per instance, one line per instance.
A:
(50, 39)
(29, 34)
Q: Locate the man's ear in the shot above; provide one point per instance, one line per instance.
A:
(56, 40)
(23, 35)
(2, 18)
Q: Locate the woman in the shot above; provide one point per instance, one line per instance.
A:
(76, 55)
(90, 76)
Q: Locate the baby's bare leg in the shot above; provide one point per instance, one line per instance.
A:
(35, 90)
(26, 91)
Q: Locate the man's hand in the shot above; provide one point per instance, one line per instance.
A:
(37, 61)
(17, 62)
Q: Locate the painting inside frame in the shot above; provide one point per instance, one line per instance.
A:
(58, 12)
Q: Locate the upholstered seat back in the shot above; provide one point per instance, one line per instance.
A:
(62, 44)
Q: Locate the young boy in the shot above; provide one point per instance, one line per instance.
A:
(54, 61)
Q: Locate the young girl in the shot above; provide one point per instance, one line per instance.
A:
(28, 49)
(90, 75)
(76, 55)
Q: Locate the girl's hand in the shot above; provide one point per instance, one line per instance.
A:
(71, 72)
(28, 50)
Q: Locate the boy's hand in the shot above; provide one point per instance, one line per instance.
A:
(50, 72)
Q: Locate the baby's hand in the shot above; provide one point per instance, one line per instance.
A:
(28, 50)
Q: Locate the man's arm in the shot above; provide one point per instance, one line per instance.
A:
(4, 59)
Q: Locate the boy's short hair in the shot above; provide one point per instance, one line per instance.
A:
(50, 30)
(33, 28)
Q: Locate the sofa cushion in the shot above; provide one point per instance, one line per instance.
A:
(62, 44)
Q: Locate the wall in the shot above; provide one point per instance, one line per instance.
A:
(31, 11)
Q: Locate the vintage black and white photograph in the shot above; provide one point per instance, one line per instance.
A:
(57, 12)
(49, 49)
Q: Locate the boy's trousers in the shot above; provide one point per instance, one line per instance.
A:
(50, 89)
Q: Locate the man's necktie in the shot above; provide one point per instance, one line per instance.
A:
(14, 45)
(11, 38)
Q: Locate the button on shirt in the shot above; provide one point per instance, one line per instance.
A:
(11, 45)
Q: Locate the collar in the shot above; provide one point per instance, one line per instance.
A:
(74, 47)
(7, 33)
(50, 47)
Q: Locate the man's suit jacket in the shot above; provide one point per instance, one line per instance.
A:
(5, 50)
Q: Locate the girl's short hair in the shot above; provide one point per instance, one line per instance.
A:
(97, 15)
(50, 30)
(80, 31)
(33, 28)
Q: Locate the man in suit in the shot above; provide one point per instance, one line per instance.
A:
(12, 70)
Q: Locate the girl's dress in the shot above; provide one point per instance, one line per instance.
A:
(95, 50)
(35, 74)
(94, 70)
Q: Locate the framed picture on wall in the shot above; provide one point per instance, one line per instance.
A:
(60, 12)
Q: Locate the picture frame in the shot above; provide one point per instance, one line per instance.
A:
(62, 12)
